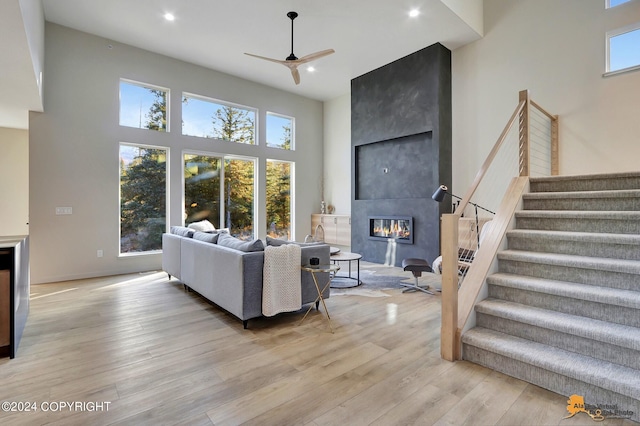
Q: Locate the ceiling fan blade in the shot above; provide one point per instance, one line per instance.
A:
(277, 61)
(316, 55)
(295, 74)
(292, 61)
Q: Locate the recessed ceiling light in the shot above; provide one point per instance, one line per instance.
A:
(310, 69)
(413, 13)
(169, 16)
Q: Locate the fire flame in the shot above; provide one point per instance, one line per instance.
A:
(394, 230)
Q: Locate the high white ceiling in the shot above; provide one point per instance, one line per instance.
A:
(365, 34)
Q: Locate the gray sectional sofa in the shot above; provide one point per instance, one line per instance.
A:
(229, 274)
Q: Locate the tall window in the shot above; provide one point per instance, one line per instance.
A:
(279, 131)
(239, 194)
(143, 198)
(143, 106)
(278, 193)
(623, 48)
(208, 118)
(202, 174)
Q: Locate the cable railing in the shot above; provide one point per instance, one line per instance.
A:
(471, 236)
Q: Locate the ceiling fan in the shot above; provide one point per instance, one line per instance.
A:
(292, 61)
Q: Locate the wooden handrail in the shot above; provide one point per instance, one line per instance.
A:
(457, 305)
(487, 162)
(544, 111)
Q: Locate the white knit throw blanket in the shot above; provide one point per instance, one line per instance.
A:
(281, 288)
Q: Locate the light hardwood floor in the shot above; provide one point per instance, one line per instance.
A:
(160, 355)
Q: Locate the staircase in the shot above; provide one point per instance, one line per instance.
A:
(563, 310)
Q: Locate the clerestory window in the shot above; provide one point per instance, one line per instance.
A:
(210, 118)
(623, 49)
(280, 131)
(144, 106)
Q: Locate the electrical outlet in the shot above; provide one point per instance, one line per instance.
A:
(100, 253)
(64, 210)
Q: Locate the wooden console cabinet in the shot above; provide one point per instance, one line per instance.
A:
(14, 292)
(337, 228)
(5, 308)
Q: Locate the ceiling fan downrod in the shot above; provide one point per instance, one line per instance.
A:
(292, 16)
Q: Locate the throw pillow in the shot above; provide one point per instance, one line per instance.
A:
(227, 240)
(279, 242)
(206, 237)
(202, 226)
(220, 231)
(276, 242)
(182, 231)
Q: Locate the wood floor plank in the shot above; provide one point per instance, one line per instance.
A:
(480, 405)
(161, 355)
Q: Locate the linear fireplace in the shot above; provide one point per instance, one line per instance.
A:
(398, 228)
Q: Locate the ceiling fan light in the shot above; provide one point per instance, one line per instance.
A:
(169, 16)
(414, 13)
(310, 69)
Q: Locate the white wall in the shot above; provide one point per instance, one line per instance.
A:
(470, 11)
(337, 154)
(556, 50)
(14, 181)
(74, 149)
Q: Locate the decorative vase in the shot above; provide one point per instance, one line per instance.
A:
(323, 207)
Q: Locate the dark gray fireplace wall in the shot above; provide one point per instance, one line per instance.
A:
(401, 151)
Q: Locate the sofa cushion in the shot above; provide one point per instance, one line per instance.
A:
(182, 231)
(227, 240)
(206, 237)
(202, 226)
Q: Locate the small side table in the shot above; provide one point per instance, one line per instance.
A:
(345, 256)
(313, 270)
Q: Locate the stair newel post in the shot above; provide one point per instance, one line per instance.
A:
(449, 337)
(523, 127)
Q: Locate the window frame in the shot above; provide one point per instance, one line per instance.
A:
(608, 36)
(293, 130)
(167, 210)
(256, 184)
(221, 183)
(150, 87)
(203, 98)
(223, 158)
(292, 193)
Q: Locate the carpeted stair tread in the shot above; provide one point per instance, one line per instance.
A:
(600, 176)
(572, 261)
(603, 374)
(591, 293)
(585, 237)
(563, 195)
(579, 214)
(600, 182)
(599, 331)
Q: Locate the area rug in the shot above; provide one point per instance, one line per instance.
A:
(377, 280)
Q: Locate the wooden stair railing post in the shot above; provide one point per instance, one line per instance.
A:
(524, 133)
(555, 160)
(449, 339)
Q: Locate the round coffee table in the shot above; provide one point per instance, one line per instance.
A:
(342, 281)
